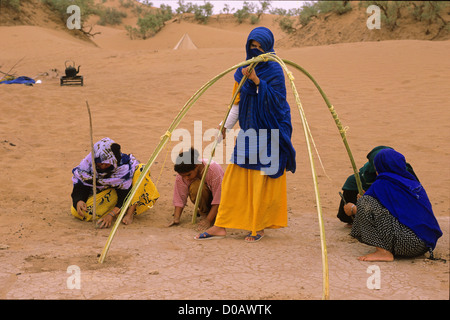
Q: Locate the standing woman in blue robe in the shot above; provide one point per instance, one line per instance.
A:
(254, 192)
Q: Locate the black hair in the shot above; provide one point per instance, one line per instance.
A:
(115, 148)
(186, 161)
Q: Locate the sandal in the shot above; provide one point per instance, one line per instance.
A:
(207, 236)
(255, 238)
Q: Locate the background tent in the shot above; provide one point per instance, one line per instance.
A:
(185, 43)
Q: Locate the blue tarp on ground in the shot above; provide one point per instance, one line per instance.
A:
(20, 80)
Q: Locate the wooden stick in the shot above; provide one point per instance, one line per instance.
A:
(202, 181)
(94, 170)
(7, 73)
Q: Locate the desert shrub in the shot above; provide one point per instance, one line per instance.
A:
(203, 12)
(265, 5)
(127, 3)
(308, 11)
(339, 7)
(184, 8)
(278, 11)
(241, 15)
(226, 9)
(390, 11)
(286, 24)
(132, 32)
(166, 12)
(13, 4)
(313, 9)
(254, 19)
(87, 7)
(111, 16)
(429, 11)
(248, 12)
(151, 23)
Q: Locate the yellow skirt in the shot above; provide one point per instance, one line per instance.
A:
(145, 197)
(252, 201)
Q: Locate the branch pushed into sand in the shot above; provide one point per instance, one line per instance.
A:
(94, 170)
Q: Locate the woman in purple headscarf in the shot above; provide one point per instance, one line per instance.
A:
(254, 194)
(394, 215)
(116, 174)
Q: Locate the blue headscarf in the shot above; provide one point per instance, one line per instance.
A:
(264, 108)
(403, 195)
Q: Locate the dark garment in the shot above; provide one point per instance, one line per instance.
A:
(83, 192)
(206, 197)
(403, 195)
(349, 196)
(375, 226)
(367, 176)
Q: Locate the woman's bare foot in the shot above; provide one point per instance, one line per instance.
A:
(379, 255)
(128, 219)
(214, 231)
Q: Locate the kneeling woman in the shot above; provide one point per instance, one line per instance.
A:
(395, 214)
(116, 174)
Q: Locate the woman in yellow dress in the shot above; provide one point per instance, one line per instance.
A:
(117, 172)
(254, 195)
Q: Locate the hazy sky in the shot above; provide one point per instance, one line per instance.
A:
(236, 4)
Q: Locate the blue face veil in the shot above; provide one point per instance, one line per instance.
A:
(264, 142)
(403, 195)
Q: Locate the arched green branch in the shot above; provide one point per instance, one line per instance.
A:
(165, 138)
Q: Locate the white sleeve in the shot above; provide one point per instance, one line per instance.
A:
(233, 117)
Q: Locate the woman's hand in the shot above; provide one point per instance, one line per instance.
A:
(251, 75)
(176, 216)
(81, 208)
(224, 132)
(106, 221)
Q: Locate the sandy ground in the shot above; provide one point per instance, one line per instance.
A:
(388, 93)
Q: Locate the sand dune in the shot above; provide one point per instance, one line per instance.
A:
(388, 93)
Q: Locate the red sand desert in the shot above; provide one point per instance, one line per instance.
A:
(391, 93)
